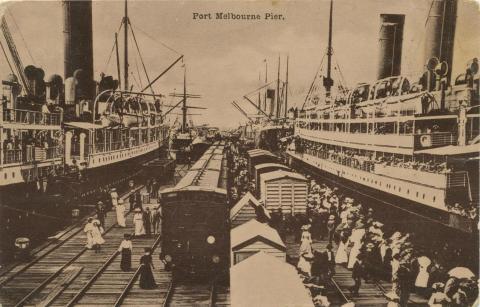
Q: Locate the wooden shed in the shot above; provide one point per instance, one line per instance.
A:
(263, 280)
(259, 156)
(247, 208)
(285, 190)
(266, 168)
(253, 237)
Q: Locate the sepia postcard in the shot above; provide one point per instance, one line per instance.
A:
(246, 153)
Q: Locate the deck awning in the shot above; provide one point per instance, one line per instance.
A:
(84, 125)
(451, 150)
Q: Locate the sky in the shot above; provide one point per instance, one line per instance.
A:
(224, 58)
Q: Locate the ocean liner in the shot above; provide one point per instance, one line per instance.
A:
(412, 143)
(77, 128)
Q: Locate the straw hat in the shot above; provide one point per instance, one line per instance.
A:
(137, 210)
(113, 189)
(306, 227)
(331, 217)
(120, 201)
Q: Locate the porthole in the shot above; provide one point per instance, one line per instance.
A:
(417, 194)
(13, 175)
(434, 198)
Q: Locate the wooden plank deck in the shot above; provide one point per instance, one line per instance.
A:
(370, 294)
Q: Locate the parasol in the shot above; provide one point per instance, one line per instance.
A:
(461, 272)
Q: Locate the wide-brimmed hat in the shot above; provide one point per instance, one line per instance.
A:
(100, 202)
(137, 210)
(306, 227)
(113, 189)
(370, 245)
(120, 201)
(331, 217)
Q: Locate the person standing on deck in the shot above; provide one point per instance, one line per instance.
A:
(157, 216)
(131, 201)
(147, 221)
(114, 196)
(126, 250)
(306, 245)
(120, 210)
(138, 222)
(357, 275)
(88, 229)
(147, 281)
(101, 213)
(97, 236)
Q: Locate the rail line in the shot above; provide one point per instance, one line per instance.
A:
(71, 231)
(19, 287)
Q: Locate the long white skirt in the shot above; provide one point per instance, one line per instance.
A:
(422, 278)
(353, 256)
(89, 240)
(97, 237)
(139, 228)
(341, 256)
(120, 209)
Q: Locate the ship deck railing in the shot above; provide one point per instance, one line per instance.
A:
(445, 179)
(27, 117)
(30, 154)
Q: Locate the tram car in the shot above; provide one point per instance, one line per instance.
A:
(195, 226)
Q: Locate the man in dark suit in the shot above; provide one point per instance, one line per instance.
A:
(320, 267)
(147, 221)
(357, 275)
(330, 259)
(101, 213)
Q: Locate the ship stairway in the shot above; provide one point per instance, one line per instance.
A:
(459, 188)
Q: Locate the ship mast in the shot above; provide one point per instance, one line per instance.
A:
(125, 59)
(184, 105)
(328, 82)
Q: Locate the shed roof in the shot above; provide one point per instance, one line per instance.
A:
(254, 229)
(264, 165)
(242, 202)
(264, 280)
(281, 174)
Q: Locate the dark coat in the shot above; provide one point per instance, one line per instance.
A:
(358, 270)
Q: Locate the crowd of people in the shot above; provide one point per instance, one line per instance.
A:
(368, 163)
(374, 252)
(146, 222)
(364, 247)
(18, 149)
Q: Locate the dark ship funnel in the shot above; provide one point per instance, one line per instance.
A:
(390, 43)
(77, 29)
(440, 32)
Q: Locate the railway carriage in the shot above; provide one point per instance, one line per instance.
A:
(195, 218)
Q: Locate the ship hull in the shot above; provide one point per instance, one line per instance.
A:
(365, 186)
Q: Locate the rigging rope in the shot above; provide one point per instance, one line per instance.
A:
(161, 43)
(21, 35)
(113, 48)
(6, 57)
(141, 59)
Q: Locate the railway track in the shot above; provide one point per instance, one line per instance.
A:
(58, 263)
(181, 293)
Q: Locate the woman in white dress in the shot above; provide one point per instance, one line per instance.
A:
(114, 196)
(97, 236)
(88, 229)
(306, 239)
(341, 257)
(421, 281)
(138, 222)
(120, 210)
(356, 240)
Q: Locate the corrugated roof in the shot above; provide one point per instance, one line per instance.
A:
(263, 165)
(264, 280)
(281, 174)
(252, 229)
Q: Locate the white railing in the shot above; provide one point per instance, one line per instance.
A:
(31, 117)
